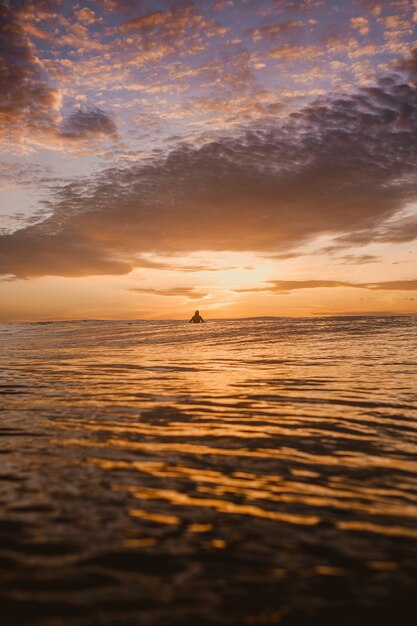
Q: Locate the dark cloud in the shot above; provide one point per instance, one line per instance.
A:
(57, 254)
(409, 64)
(27, 103)
(398, 230)
(342, 166)
(84, 124)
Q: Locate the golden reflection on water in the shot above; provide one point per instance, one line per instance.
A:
(289, 446)
(266, 488)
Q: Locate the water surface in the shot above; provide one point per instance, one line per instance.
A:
(235, 472)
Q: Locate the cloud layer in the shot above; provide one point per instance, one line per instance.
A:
(270, 143)
(344, 166)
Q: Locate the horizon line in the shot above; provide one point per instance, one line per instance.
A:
(212, 319)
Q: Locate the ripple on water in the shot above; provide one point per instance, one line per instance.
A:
(238, 472)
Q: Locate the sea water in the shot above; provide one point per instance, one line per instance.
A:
(255, 471)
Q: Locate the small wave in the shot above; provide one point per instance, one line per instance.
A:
(157, 474)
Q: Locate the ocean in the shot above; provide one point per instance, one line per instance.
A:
(242, 472)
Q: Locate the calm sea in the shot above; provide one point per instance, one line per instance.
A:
(243, 472)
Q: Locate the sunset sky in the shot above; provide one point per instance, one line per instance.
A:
(240, 157)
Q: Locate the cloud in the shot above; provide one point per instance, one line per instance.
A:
(275, 30)
(342, 166)
(22, 173)
(188, 292)
(285, 286)
(357, 259)
(87, 16)
(146, 22)
(27, 103)
(298, 5)
(183, 29)
(395, 230)
(409, 63)
(257, 105)
(30, 109)
(361, 24)
(289, 52)
(84, 124)
(174, 267)
(393, 285)
(121, 6)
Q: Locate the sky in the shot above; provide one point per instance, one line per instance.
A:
(240, 157)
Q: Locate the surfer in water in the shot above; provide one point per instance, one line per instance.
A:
(196, 318)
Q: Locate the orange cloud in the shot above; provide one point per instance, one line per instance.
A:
(87, 16)
(361, 24)
(146, 22)
(161, 33)
(272, 32)
(290, 52)
(285, 286)
(188, 292)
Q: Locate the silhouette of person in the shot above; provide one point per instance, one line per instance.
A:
(196, 318)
